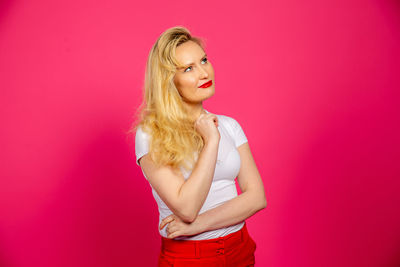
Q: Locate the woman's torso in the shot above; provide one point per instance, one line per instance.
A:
(223, 186)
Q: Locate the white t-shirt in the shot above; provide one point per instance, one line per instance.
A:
(223, 186)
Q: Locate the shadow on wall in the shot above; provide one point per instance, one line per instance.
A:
(4, 259)
(101, 214)
(108, 204)
(5, 6)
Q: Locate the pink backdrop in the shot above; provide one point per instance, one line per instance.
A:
(314, 86)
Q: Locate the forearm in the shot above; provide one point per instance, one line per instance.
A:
(231, 212)
(195, 189)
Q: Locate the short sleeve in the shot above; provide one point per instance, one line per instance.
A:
(141, 144)
(238, 133)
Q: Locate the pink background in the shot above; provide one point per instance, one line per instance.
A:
(314, 85)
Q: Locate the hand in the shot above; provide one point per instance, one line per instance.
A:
(176, 227)
(206, 125)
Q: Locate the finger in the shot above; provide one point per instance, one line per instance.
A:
(165, 221)
(170, 229)
(173, 235)
(215, 122)
(162, 224)
(170, 235)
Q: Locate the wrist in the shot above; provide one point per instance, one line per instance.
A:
(211, 143)
(200, 225)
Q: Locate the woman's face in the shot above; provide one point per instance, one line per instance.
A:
(197, 71)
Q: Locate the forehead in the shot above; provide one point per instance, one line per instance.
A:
(188, 52)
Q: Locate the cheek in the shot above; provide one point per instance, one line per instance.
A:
(211, 70)
(188, 82)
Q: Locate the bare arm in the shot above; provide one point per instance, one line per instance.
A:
(243, 206)
(237, 209)
(186, 197)
(194, 191)
(230, 213)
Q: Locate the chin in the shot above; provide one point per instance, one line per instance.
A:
(209, 95)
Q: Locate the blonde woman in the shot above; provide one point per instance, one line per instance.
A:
(191, 158)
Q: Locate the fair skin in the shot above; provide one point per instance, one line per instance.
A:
(231, 212)
(185, 198)
(197, 70)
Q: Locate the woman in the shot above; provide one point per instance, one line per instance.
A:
(191, 157)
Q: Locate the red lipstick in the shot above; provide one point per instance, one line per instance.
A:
(205, 85)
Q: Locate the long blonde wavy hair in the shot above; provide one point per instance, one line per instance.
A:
(174, 140)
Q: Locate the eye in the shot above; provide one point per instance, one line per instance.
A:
(205, 60)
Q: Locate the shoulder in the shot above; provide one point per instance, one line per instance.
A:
(223, 118)
(141, 134)
(228, 121)
(141, 143)
(142, 140)
(234, 128)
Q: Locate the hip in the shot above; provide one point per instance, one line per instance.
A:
(234, 249)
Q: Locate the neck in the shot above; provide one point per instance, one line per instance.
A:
(195, 110)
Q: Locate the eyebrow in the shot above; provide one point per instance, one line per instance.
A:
(190, 64)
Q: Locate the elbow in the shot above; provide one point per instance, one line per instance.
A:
(263, 203)
(263, 200)
(188, 216)
(186, 212)
(188, 219)
(259, 200)
(184, 217)
(192, 217)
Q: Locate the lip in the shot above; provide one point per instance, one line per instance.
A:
(207, 84)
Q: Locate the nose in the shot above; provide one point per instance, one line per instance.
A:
(203, 73)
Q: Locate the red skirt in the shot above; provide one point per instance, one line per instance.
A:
(233, 250)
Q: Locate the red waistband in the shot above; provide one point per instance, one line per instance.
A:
(204, 248)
